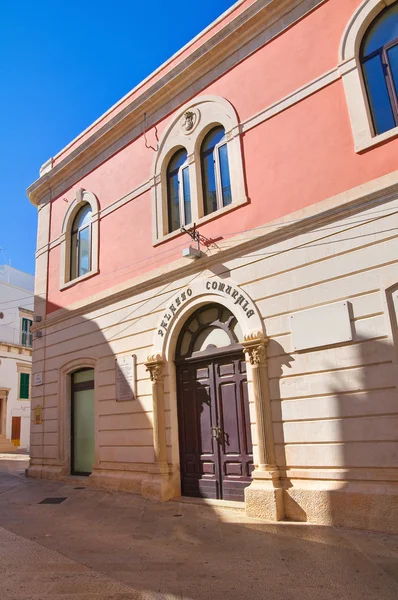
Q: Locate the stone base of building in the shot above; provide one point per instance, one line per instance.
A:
(154, 484)
(369, 506)
(357, 505)
(264, 501)
(118, 481)
(55, 472)
(159, 484)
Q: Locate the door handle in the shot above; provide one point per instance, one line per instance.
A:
(217, 433)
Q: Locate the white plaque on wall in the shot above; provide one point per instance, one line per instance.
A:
(125, 375)
(38, 379)
(321, 326)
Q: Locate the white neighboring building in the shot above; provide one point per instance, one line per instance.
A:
(16, 316)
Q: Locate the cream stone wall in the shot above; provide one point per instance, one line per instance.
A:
(334, 409)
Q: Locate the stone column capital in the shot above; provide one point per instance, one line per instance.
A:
(254, 345)
(154, 366)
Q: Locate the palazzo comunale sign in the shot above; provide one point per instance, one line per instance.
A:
(207, 286)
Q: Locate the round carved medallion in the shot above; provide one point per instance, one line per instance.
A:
(189, 121)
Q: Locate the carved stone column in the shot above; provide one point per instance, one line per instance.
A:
(157, 486)
(264, 497)
(155, 367)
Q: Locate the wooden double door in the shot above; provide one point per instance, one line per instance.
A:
(216, 454)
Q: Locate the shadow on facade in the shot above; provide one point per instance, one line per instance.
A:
(369, 436)
(351, 432)
(127, 443)
(123, 429)
(168, 547)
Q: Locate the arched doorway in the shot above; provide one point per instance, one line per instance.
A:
(216, 455)
(82, 422)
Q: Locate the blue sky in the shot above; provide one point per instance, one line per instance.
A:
(62, 64)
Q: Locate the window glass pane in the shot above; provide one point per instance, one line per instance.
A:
(173, 202)
(187, 196)
(82, 376)
(383, 117)
(225, 178)
(185, 343)
(208, 316)
(178, 160)
(213, 138)
(194, 326)
(383, 30)
(84, 251)
(209, 184)
(173, 189)
(393, 60)
(73, 256)
(82, 218)
(211, 337)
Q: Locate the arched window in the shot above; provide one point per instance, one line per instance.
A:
(379, 58)
(80, 262)
(210, 328)
(215, 171)
(178, 191)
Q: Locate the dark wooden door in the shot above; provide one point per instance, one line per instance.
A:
(214, 427)
(235, 442)
(199, 459)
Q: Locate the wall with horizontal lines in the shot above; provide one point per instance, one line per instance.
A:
(335, 409)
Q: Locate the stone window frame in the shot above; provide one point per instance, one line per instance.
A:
(350, 69)
(82, 197)
(204, 113)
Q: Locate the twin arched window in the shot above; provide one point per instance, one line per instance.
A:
(80, 260)
(379, 57)
(216, 182)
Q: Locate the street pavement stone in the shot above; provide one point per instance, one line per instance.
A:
(107, 545)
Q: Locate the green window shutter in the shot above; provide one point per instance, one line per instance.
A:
(24, 386)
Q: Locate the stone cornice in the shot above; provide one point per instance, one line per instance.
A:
(25, 310)
(10, 348)
(112, 135)
(378, 191)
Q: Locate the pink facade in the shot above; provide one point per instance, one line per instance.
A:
(300, 156)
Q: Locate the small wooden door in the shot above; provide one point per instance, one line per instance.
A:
(216, 453)
(16, 431)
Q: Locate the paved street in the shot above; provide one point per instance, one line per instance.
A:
(102, 545)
